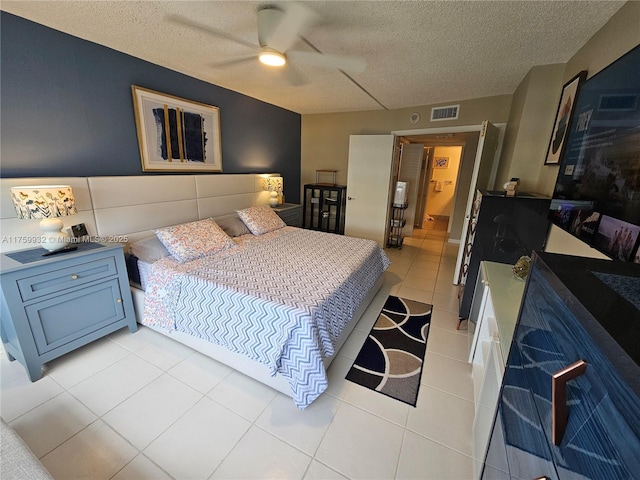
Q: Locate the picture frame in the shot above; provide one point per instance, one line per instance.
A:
(191, 143)
(441, 162)
(563, 117)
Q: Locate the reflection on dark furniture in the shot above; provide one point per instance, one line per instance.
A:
(506, 229)
(324, 207)
(573, 309)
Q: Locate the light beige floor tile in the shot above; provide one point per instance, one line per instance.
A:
(377, 403)
(425, 459)
(52, 423)
(361, 445)
(448, 343)
(97, 452)
(141, 468)
(452, 424)
(335, 375)
(137, 340)
(318, 471)
(113, 385)
(302, 429)
(448, 321)
(22, 395)
(76, 366)
(164, 352)
(195, 445)
(150, 411)
(260, 455)
(419, 283)
(446, 302)
(410, 293)
(449, 375)
(354, 343)
(243, 395)
(200, 372)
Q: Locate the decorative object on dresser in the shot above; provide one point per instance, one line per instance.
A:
(53, 305)
(175, 134)
(291, 213)
(324, 207)
(274, 186)
(575, 319)
(47, 203)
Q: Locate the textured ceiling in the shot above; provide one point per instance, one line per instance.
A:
(418, 52)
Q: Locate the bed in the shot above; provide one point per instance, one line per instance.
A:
(275, 305)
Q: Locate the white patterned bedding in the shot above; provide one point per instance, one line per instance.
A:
(281, 299)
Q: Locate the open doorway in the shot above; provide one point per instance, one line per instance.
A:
(441, 183)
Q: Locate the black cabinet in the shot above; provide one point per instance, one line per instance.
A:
(324, 207)
(506, 228)
(574, 309)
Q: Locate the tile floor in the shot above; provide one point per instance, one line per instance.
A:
(140, 406)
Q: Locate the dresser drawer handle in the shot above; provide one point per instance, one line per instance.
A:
(560, 414)
(74, 277)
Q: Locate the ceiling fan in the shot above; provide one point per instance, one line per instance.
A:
(279, 29)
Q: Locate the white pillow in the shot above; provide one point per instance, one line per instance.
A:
(261, 219)
(190, 241)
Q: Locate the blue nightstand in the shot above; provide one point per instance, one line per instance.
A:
(54, 304)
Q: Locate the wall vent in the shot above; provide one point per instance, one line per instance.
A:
(620, 102)
(450, 112)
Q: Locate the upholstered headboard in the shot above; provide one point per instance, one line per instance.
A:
(134, 205)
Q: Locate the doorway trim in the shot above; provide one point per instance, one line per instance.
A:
(460, 129)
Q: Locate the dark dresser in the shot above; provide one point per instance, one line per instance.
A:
(569, 406)
(505, 229)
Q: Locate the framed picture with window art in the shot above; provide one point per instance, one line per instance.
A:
(175, 134)
(562, 122)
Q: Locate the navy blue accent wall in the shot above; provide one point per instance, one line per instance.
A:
(67, 110)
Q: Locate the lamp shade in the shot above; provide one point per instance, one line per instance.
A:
(47, 203)
(275, 186)
(43, 201)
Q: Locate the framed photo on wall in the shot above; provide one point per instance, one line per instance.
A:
(176, 135)
(563, 119)
(441, 162)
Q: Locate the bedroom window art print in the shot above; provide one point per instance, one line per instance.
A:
(175, 134)
(570, 90)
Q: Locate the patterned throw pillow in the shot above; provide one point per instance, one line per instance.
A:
(261, 219)
(189, 241)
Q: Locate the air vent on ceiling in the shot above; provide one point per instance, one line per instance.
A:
(450, 112)
(624, 102)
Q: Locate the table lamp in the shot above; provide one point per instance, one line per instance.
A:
(274, 185)
(48, 203)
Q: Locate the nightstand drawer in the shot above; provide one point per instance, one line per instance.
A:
(62, 319)
(70, 277)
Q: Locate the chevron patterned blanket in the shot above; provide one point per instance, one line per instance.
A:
(281, 299)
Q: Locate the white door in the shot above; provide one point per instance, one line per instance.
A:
(369, 181)
(482, 169)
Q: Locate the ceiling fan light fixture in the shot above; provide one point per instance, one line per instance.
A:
(272, 58)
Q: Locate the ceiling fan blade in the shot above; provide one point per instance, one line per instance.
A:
(208, 29)
(233, 61)
(348, 64)
(279, 29)
(293, 76)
